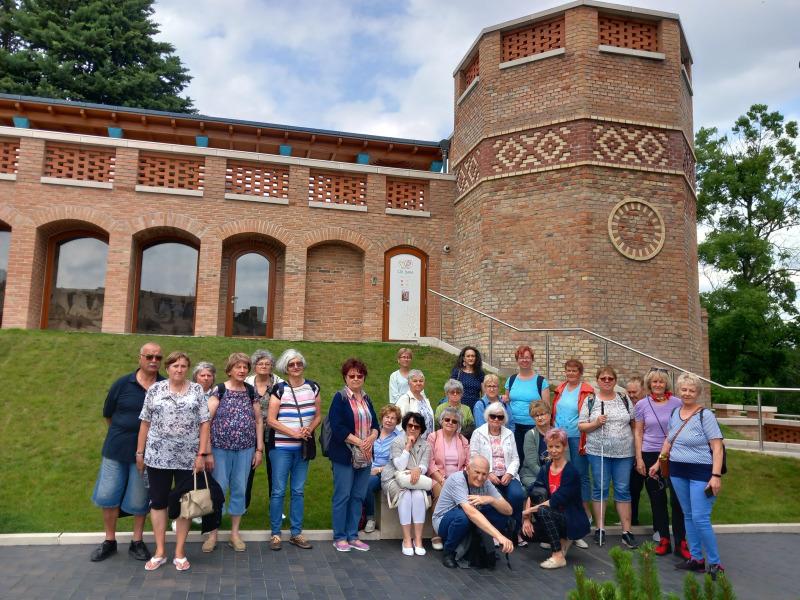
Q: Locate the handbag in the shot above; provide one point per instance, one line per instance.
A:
(403, 479)
(197, 503)
(663, 458)
(309, 445)
(358, 460)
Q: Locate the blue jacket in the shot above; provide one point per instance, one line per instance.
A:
(342, 423)
(567, 499)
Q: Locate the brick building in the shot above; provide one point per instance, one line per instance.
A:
(567, 199)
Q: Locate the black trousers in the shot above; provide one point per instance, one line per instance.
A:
(636, 485)
(657, 491)
(248, 493)
(552, 525)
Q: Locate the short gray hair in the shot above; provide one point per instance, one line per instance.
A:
(416, 374)
(453, 384)
(495, 408)
(475, 457)
(690, 379)
(203, 364)
(287, 357)
(261, 355)
(451, 411)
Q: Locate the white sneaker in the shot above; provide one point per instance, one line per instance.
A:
(174, 527)
(407, 551)
(656, 537)
(436, 543)
(197, 520)
(419, 550)
(581, 544)
(370, 526)
(544, 545)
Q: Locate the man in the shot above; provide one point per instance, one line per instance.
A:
(636, 391)
(469, 500)
(119, 485)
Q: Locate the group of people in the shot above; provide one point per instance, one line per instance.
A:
(514, 466)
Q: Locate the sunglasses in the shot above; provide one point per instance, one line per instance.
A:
(657, 370)
(448, 420)
(606, 379)
(355, 376)
(413, 426)
(497, 417)
(295, 365)
(151, 356)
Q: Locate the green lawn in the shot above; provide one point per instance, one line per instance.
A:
(51, 429)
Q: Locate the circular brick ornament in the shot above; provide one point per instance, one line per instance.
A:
(636, 229)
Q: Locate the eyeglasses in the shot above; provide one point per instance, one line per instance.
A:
(541, 416)
(264, 364)
(606, 379)
(497, 417)
(449, 420)
(295, 365)
(151, 356)
(355, 376)
(412, 426)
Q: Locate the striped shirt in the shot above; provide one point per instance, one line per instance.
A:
(691, 445)
(295, 415)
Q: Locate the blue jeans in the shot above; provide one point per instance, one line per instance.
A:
(618, 469)
(373, 485)
(515, 496)
(284, 464)
(119, 484)
(697, 517)
(580, 462)
(455, 525)
(231, 470)
(349, 490)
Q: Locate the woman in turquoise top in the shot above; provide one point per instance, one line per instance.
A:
(522, 389)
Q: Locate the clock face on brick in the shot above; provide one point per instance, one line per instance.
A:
(636, 229)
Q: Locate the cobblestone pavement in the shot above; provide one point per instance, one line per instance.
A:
(761, 566)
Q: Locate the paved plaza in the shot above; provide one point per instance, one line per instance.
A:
(761, 566)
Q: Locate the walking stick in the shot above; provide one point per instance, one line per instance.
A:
(602, 515)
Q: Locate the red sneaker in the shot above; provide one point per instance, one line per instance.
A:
(682, 550)
(664, 547)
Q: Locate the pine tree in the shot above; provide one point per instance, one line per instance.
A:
(91, 51)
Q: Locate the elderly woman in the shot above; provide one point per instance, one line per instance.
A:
(381, 451)
(554, 501)
(415, 400)
(606, 420)
(453, 392)
(403, 479)
(650, 430)
(237, 442)
(491, 393)
(205, 373)
(496, 443)
(173, 442)
(354, 429)
(695, 452)
(520, 390)
(293, 415)
(398, 381)
(469, 371)
(536, 455)
(449, 454)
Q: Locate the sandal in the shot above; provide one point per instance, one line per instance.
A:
(181, 564)
(154, 563)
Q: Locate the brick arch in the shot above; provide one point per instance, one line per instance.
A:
(181, 225)
(78, 214)
(249, 226)
(338, 235)
(392, 241)
(12, 217)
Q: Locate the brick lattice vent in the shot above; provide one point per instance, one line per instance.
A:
(337, 189)
(9, 156)
(406, 194)
(75, 162)
(471, 72)
(179, 172)
(268, 181)
(533, 39)
(782, 433)
(624, 33)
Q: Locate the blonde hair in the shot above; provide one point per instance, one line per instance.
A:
(690, 379)
(648, 379)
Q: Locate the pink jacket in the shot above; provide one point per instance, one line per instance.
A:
(436, 442)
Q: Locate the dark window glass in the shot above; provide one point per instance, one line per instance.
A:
(5, 239)
(167, 289)
(251, 293)
(78, 288)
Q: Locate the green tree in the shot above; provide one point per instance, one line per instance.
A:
(749, 197)
(92, 51)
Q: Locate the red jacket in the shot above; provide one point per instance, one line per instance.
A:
(584, 392)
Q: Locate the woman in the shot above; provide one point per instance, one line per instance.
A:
(415, 400)
(237, 442)
(606, 419)
(568, 400)
(559, 516)
(522, 389)
(469, 371)
(173, 442)
(294, 414)
(381, 451)
(410, 453)
(449, 454)
(496, 443)
(453, 392)
(354, 429)
(398, 381)
(491, 393)
(204, 374)
(650, 430)
(695, 452)
(536, 455)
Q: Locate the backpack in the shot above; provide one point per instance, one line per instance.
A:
(325, 433)
(481, 553)
(539, 383)
(251, 391)
(590, 400)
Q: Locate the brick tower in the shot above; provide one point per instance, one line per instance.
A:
(575, 201)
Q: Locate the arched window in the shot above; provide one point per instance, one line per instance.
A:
(167, 291)
(76, 280)
(250, 294)
(5, 240)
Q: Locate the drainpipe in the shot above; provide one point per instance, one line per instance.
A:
(445, 146)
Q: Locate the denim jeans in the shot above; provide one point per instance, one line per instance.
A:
(231, 470)
(697, 518)
(455, 525)
(286, 463)
(580, 462)
(119, 484)
(616, 469)
(349, 490)
(374, 485)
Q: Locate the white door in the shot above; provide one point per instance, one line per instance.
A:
(405, 296)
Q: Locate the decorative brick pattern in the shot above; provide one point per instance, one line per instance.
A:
(334, 188)
(788, 434)
(631, 145)
(76, 162)
(179, 172)
(9, 156)
(257, 180)
(406, 194)
(689, 165)
(468, 172)
(626, 33)
(538, 148)
(471, 72)
(533, 39)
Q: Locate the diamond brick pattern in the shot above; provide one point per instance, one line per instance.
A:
(406, 194)
(533, 39)
(468, 172)
(9, 156)
(538, 148)
(269, 181)
(631, 145)
(179, 172)
(75, 162)
(334, 188)
(625, 33)
(471, 72)
(689, 165)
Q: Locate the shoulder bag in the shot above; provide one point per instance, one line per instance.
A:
(309, 445)
(197, 503)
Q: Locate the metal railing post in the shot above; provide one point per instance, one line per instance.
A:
(547, 355)
(760, 424)
(605, 353)
(441, 320)
(491, 341)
